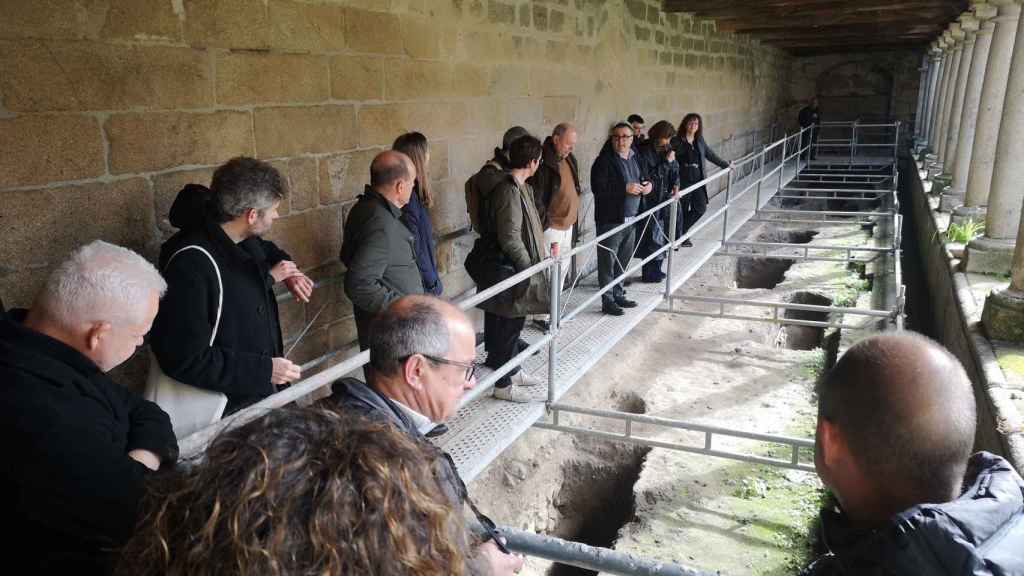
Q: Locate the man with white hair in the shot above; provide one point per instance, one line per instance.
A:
(77, 446)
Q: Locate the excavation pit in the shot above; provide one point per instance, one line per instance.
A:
(796, 337)
(761, 273)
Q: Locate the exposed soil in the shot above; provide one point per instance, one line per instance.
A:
(705, 512)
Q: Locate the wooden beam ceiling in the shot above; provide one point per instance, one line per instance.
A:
(817, 26)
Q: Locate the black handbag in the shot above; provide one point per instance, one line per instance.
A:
(487, 266)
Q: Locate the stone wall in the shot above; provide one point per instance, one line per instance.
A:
(107, 107)
(871, 85)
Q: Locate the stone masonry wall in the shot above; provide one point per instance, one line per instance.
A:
(108, 107)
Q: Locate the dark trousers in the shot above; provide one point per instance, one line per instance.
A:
(612, 259)
(691, 209)
(501, 341)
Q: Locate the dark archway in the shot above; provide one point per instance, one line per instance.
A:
(859, 90)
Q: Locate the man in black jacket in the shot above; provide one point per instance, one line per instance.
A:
(78, 446)
(810, 116)
(896, 424)
(218, 328)
(618, 184)
(423, 353)
(377, 250)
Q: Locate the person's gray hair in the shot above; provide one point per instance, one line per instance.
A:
(99, 282)
(415, 327)
(243, 183)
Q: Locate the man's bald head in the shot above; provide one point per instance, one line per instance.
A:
(905, 408)
(392, 175)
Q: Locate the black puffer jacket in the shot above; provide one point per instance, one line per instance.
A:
(249, 334)
(981, 533)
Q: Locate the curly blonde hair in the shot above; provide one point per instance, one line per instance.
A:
(301, 491)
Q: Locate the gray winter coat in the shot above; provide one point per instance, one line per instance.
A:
(981, 533)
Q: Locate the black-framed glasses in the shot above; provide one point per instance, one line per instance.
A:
(469, 366)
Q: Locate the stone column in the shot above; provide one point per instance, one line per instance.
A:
(954, 49)
(990, 111)
(993, 252)
(969, 29)
(1003, 315)
(972, 101)
(935, 53)
(940, 95)
(922, 97)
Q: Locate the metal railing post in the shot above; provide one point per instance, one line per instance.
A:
(556, 291)
(673, 221)
(896, 144)
(725, 215)
(782, 166)
(757, 193)
(853, 142)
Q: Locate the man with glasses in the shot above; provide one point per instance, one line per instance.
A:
(618, 183)
(423, 350)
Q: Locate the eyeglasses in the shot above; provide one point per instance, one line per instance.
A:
(469, 366)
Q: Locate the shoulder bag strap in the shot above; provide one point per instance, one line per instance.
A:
(220, 284)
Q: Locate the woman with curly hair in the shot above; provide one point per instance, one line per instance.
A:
(301, 491)
(691, 152)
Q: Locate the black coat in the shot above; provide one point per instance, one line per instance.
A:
(704, 152)
(417, 219)
(379, 254)
(249, 335)
(609, 186)
(664, 177)
(65, 433)
(980, 533)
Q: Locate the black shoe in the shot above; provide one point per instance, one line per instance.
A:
(523, 345)
(436, 431)
(625, 302)
(687, 244)
(653, 279)
(542, 325)
(612, 309)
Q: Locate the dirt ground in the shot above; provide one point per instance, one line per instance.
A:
(708, 513)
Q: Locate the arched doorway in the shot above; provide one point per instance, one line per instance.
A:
(856, 91)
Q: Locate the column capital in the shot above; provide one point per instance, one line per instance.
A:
(984, 11)
(956, 32)
(968, 23)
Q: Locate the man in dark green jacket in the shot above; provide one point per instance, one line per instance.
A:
(377, 249)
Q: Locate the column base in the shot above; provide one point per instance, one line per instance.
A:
(1003, 316)
(988, 256)
(934, 170)
(951, 200)
(964, 213)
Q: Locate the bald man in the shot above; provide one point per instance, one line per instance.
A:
(377, 249)
(423, 353)
(896, 422)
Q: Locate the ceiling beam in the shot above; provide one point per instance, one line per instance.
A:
(751, 25)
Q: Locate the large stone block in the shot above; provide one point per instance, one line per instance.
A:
(314, 129)
(141, 20)
(303, 180)
(486, 115)
(161, 140)
(165, 189)
(510, 81)
(312, 237)
(343, 334)
(499, 12)
(470, 80)
(304, 27)
(227, 23)
(60, 19)
(44, 75)
(380, 125)
(409, 79)
(1003, 316)
(19, 287)
(989, 256)
(253, 78)
(357, 78)
(373, 32)
(40, 149)
(330, 296)
(119, 212)
(343, 176)
(424, 39)
(559, 109)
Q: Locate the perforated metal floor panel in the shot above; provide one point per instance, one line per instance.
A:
(485, 426)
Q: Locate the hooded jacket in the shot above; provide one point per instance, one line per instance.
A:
(481, 184)
(65, 430)
(981, 533)
(249, 334)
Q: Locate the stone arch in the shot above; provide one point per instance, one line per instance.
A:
(854, 90)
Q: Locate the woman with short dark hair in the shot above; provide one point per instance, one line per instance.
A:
(691, 151)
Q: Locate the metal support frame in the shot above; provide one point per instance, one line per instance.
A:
(630, 421)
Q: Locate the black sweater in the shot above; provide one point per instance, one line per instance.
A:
(65, 433)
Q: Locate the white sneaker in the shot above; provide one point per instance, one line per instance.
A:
(513, 393)
(521, 378)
